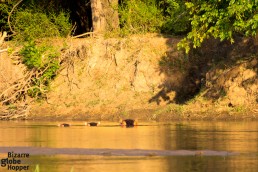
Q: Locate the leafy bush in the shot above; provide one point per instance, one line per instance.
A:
(62, 23)
(220, 19)
(140, 16)
(43, 60)
(4, 9)
(31, 56)
(167, 16)
(176, 16)
(32, 25)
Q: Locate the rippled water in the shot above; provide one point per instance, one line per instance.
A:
(175, 146)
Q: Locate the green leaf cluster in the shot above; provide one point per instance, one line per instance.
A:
(43, 60)
(176, 17)
(140, 16)
(220, 19)
(4, 10)
(166, 16)
(31, 25)
(32, 55)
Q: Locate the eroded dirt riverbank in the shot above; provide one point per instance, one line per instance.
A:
(145, 77)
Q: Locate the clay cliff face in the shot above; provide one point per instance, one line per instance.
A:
(143, 74)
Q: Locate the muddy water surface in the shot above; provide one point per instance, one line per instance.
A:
(161, 147)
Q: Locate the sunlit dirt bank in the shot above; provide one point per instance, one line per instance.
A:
(145, 77)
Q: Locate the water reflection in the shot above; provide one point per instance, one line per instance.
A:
(231, 136)
(241, 137)
(105, 163)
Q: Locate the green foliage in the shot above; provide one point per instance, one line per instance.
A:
(61, 22)
(31, 55)
(4, 9)
(32, 25)
(44, 61)
(167, 16)
(140, 16)
(34, 19)
(220, 19)
(176, 16)
(239, 109)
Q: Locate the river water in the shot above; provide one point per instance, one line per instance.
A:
(152, 146)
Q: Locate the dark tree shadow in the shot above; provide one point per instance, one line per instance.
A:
(186, 74)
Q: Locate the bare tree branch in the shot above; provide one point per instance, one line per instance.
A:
(84, 34)
(4, 50)
(9, 16)
(2, 37)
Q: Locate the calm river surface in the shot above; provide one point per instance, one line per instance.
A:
(158, 147)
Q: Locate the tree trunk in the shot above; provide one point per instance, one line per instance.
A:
(104, 15)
